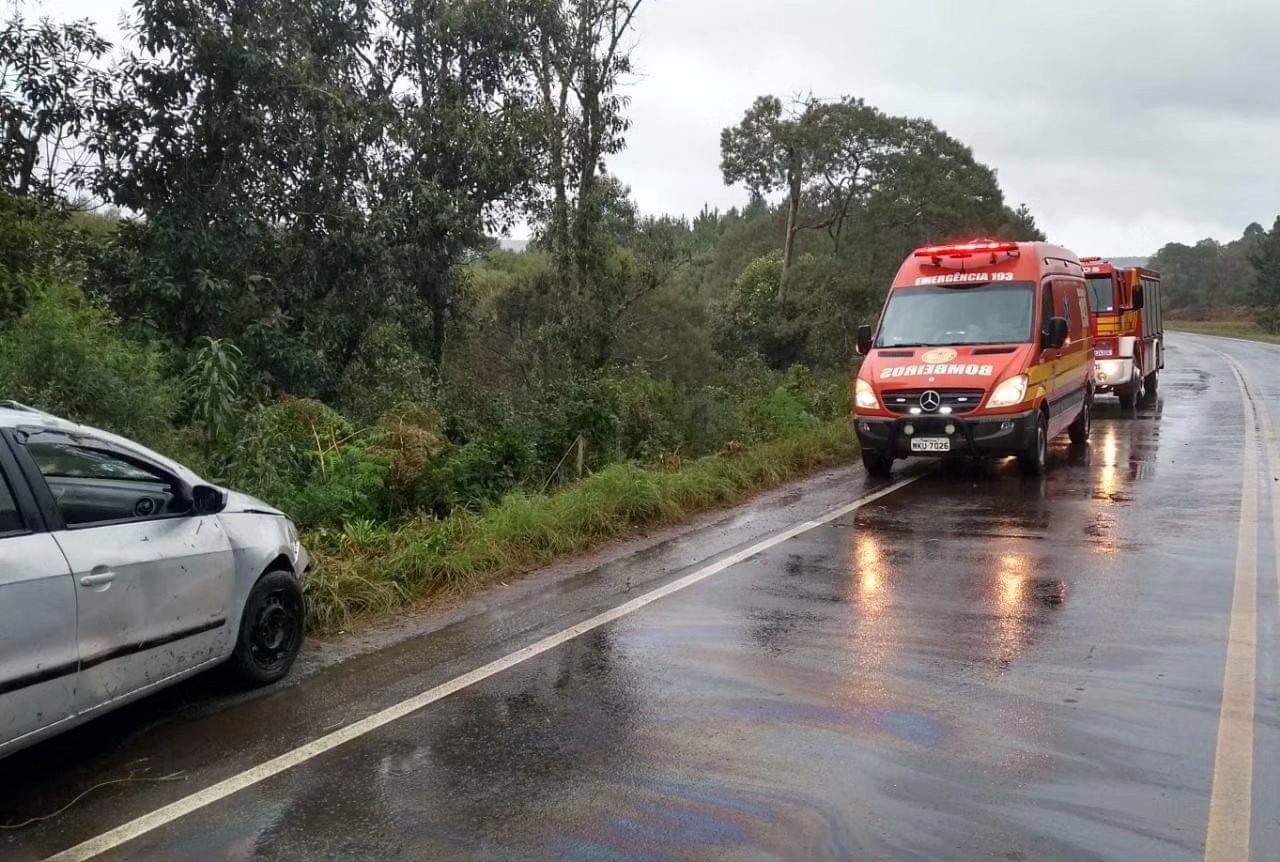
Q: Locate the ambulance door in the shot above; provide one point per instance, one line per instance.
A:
(1044, 373)
(1071, 365)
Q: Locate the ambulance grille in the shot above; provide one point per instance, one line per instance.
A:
(960, 401)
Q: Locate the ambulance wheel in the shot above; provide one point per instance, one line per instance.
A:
(1152, 383)
(1035, 460)
(877, 463)
(1079, 429)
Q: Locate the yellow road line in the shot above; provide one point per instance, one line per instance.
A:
(1231, 800)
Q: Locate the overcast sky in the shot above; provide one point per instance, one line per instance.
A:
(1123, 124)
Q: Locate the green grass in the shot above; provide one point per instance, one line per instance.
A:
(1247, 329)
(365, 571)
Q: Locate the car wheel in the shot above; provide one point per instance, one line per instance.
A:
(272, 628)
(877, 463)
(1035, 460)
(1079, 429)
(1152, 384)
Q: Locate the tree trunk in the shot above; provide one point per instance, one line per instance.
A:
(793, 228)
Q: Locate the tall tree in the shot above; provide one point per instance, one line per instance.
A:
(581, 59)
(1266, 279)
(308, 168)
(773, 149)
(51, 92)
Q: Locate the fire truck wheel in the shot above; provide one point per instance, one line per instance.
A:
(1079, 429)
(877, 463)
(1130, 393)
(1035, 460)
(1152, 383)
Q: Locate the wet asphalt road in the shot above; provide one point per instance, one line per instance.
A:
(977, 666)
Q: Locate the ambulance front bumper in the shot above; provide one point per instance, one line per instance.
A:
(1108, 373)
(980, 435)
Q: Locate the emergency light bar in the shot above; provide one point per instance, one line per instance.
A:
(968, 249)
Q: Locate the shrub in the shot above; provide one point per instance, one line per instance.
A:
(67, 355)
(348, 484)
(385, 372)
(284, 449)
(412, 440)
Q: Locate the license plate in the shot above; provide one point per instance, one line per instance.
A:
(930, 444)
(1102, 351)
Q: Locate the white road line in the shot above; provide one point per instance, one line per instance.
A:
(1273, 471)
(1231, 799)
(182, 807)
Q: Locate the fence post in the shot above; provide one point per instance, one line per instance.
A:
(582, 451)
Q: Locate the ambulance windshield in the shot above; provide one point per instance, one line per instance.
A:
(1102, 292)
(1002, 313)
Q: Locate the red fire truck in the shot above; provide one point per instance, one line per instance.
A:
(1128, 329)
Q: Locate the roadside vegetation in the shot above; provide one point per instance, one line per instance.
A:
(262, 241)
(1233, 287)
(1229, 328)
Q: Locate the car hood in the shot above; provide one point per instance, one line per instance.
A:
(238, 502)
(976, 367)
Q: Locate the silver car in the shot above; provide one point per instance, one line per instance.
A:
(122, 572)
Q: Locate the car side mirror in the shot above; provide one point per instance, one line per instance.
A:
(863, 345)
(1056, 333)
(1139, 298)
(208, 500)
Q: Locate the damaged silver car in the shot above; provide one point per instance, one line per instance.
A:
(122, 572)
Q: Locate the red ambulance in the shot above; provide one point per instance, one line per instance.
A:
(984, 349)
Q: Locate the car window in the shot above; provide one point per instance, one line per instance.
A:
(94, 486)
(66, 460)
(10, 518)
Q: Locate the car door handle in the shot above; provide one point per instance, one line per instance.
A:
(97, 579)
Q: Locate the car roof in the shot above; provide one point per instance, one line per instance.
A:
(13, 415)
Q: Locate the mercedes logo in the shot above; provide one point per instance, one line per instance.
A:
(930, 401)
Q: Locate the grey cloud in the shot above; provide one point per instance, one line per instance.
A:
(1134, 123)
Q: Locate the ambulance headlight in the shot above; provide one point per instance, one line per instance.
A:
(1009, 393)
(864, 396)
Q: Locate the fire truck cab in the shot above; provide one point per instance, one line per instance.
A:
(982, 349)
(1128, 329)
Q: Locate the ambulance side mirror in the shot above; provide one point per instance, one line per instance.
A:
(863, 344)
(1056, 333)
(1139, 299)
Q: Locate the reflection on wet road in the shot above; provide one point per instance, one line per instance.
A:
(979, 666)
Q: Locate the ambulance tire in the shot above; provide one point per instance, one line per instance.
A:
(878, 464)
(1079, 429)
(1035, 460)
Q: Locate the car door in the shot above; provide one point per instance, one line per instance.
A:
(154, 582)
(38, 658)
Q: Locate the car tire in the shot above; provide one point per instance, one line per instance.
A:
(1035, 460)
(272, 629)
(878, 464)
(1080, 428)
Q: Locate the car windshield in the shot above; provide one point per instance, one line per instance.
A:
(1102, 292)
(947, 316)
